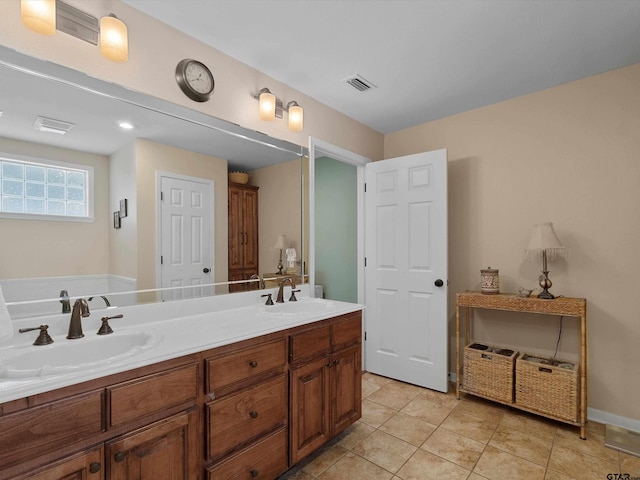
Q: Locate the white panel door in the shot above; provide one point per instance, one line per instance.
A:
(186, 246)
(406, 268)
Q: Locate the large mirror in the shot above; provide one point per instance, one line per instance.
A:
(40, 257)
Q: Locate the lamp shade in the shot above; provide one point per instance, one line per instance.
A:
(281, 242)
(296, 117)
(267, 105)
(544, 239)
(39, 15)
(114, 39)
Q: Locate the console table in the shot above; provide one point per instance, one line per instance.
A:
(562, 306)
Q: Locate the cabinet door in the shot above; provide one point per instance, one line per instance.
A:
(236, 232)
(165, 450)
(84, 466)
(250, 221)
(309, 415)
(346, 389)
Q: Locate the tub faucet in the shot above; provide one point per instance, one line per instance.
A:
(80, 310)
(106, 300)
(280, 297)
(258, 277)
(64, 300)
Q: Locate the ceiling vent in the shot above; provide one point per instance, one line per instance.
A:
(77, 23)
(50, 125)
(359, 83)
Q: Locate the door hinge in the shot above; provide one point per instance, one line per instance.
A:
(365, 261)
(161, 196)
(161, 259)
(365, 188)
(365, 336)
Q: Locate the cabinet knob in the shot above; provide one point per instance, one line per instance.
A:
(253, 364)
(119, 456)
(336, 361)
(253, 414)
(94, 467)
(254, 473)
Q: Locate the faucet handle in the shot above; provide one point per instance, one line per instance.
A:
(269, 300)
(105, 328)
(43, 338)
(293, 298)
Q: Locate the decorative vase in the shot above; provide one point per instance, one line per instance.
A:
(490, 281)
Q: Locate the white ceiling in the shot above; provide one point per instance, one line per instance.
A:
(428, 58)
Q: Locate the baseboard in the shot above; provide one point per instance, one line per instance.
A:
(613, 419)
(597, 415)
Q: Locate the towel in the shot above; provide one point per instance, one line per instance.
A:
(6, 325)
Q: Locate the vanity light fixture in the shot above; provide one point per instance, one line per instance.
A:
(271, 107)
(39, 15)
(114, 39)
(267, 104)
(47, 16)
(296, 116)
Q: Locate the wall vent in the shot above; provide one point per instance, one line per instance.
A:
(77, 23)
(359, 83)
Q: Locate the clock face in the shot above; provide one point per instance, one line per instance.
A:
(195, 80)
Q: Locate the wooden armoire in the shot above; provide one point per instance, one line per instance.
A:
(243, 234)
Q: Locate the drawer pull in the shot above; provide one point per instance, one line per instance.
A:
(253, 414)
(254, 473)
(94, 467)
(119, 456)
(253, 364)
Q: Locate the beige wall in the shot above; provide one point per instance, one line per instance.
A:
(36, 248)
(569, 155)
(154, 51)
(152, 157)
(280, 210)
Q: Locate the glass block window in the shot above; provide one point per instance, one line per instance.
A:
(33, 188)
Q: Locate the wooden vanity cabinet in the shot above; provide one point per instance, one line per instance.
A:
(325, 383)
(243, 234)
(247, 416)
(87, 465)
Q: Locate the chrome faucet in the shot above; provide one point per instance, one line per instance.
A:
(64, 300)
(258, 277)
(280, 297)
(106, 300)
(80, 310)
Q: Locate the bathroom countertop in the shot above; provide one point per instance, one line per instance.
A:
(178, 328)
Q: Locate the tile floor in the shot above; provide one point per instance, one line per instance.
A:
(411, 433)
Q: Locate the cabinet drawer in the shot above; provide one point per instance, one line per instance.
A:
(152, 394)
(265, 459)
(36, 431)
(309, 345)
(237, 419)
(227, 369)
(347, 332)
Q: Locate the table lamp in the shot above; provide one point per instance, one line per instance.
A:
(545, 243)
(281, 243)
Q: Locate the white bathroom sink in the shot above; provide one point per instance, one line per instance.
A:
(65, 356)
(303, 307)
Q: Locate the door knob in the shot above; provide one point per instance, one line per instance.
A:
(206, 270)
(438, 282)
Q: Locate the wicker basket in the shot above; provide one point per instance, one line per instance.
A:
(548, 386)
(239, 177)
(488, 371)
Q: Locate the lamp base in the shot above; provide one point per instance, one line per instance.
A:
(280, 267)
(545, 284)
(546, 295)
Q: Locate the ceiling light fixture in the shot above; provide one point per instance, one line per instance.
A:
(271, 107)
(126, 125)
(39, 15)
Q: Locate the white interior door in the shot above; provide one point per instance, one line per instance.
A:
(406, 268)
(185, 239)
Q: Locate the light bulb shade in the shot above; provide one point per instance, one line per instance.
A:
(267, 105)
(281, 242)
(544, 239)
(296, 117)
(114, 39)
(39, 15)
